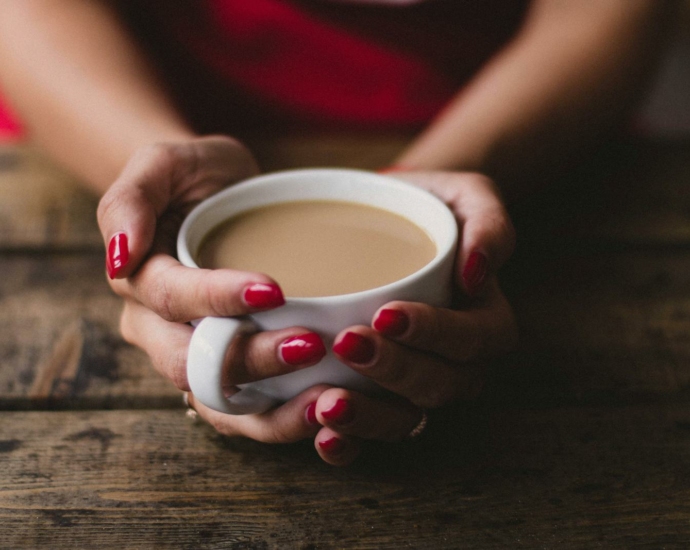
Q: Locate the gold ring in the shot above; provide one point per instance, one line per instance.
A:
(419, 428)
(190, 413)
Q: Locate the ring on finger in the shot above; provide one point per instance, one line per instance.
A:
(419, 428)
(190, 413)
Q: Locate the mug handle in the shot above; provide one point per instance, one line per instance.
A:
(205, 358)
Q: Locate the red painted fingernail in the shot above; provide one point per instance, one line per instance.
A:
(118, 254)
(340, 413)
(302, 349)
(474, 273)
(263, 296)
(391, 322)
(310, 413)
(332, 446)
(355, 347)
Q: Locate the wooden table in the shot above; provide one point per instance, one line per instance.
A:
(582, 439)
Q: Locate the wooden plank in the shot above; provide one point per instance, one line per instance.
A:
(606, 321)
(599, 326)
(43, 206)
(567, 478)
(59, 343)
(596, 327)
(632, 192)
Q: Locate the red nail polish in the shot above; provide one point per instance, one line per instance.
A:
(263, 296)
(118, 255)
(355, 347)
(302, 349)
(340, 413)
(332, 446)
(391, 322)
(310, 413)
(474, 273)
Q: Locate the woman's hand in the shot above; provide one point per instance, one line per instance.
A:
(139, 218)
(428, 356)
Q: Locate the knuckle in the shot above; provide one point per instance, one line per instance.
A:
(106, 205)
(162, 158)
(421, 324)
(164, 303)
(390, 373)
(272, 431)
(218, 300)
(278, 433)
(158, 154)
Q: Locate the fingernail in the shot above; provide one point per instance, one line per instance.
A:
(118, 254)
(340, 413)
(332, 446)
(475, 272)
(310, 413)
(263, 296)
(302, 349)
(355, 347)
(391, 322)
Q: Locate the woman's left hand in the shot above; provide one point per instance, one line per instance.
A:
(426, 355)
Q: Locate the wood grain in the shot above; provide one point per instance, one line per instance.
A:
(59, 338)
(581, 439)
(594, 328)
(628, 192)
(602, 327)
(572, 478)
(603, 313)
(41, 206)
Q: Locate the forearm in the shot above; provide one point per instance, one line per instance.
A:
(84, 91)
(575, 69)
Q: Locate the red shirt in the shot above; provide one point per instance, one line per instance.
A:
(318, 62)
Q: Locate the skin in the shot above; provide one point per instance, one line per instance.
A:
(91, 100)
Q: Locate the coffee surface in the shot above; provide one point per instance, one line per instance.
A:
(319, 248)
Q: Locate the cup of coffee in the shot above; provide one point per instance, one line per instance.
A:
(341, 243)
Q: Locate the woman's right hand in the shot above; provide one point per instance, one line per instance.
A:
(139, 218)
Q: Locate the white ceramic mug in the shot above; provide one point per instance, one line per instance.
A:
(326, 316)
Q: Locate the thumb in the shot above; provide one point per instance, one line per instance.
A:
(129, 210)
(487, 236)
(157, 177)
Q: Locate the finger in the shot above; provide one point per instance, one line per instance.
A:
(272, 353)
(487, 330)
(351, 413)
(165, 343)
(287, 423)
(487, 234)
(422, 378)
(181, 294)
(335, 448)
(157, 177)
(249, 357)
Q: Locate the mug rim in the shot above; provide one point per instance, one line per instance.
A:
(185, 257)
